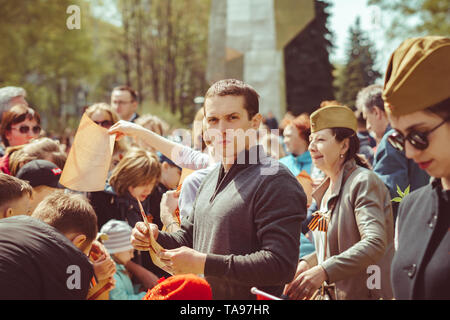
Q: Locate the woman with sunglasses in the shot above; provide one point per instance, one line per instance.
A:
(417, 96)
(19, 125)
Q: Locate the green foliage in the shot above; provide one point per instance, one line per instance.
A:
(415, 18)
(308, 70)
(163, 112)
(359, 70)
(401, 194)
(42, 55)
(162, 51)
(65, 70)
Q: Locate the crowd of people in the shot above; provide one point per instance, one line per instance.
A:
(340, 204)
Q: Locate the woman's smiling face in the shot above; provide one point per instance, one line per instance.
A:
(325, 150)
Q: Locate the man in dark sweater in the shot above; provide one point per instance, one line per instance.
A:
(244, 229)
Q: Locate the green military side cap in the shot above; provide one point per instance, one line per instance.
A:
(418, 75)
(333, 117)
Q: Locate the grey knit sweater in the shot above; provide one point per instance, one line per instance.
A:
(248, 222)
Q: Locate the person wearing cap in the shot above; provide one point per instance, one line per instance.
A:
(119, 247)
(390, 164)
(417, 96)
(170, 176)
(43, 176)
(353, 227)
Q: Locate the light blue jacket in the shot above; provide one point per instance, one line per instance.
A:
(124, 288)
(297, 164)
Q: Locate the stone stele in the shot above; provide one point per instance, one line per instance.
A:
(246, 42)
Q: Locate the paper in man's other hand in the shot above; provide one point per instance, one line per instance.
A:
(89, 159)
(155, 250)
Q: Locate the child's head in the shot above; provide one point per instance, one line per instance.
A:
(137, 173)
(170, 172)
(72, 215)
(118, 243)
(15, 196)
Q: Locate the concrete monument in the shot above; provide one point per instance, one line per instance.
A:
(246, 42)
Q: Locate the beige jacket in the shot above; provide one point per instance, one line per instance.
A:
(360, 235)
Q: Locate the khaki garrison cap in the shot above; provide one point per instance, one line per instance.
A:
(333, 117)
(418, 75)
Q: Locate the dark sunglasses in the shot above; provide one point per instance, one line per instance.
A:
(105, 124)
(25, 129)
(418, 140)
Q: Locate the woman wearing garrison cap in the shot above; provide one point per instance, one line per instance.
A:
(417, 98)
(353, 227)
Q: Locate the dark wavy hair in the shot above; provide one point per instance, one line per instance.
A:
(352, 153)
(442, 109)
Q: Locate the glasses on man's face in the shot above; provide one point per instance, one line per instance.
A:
(122, 102)
(417, 139)
(25, 129)
(105, 123)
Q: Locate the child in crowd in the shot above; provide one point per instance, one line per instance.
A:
(44, 256)
(43, 176)
(15, 195)
(119, 247)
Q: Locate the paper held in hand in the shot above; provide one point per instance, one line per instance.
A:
(89, 159)
(155, 247)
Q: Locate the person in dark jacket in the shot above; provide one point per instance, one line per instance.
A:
(45, 256)
(132, 180)
(418, 105)
(390, 164)
(244, 229)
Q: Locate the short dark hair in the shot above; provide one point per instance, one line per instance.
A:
(134, 93)
(442, 109)
(370, 97)
(68, 212)
(233, 87)
(12, 188)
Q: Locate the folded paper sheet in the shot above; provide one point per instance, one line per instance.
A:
(155, 247)
(87, 165)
